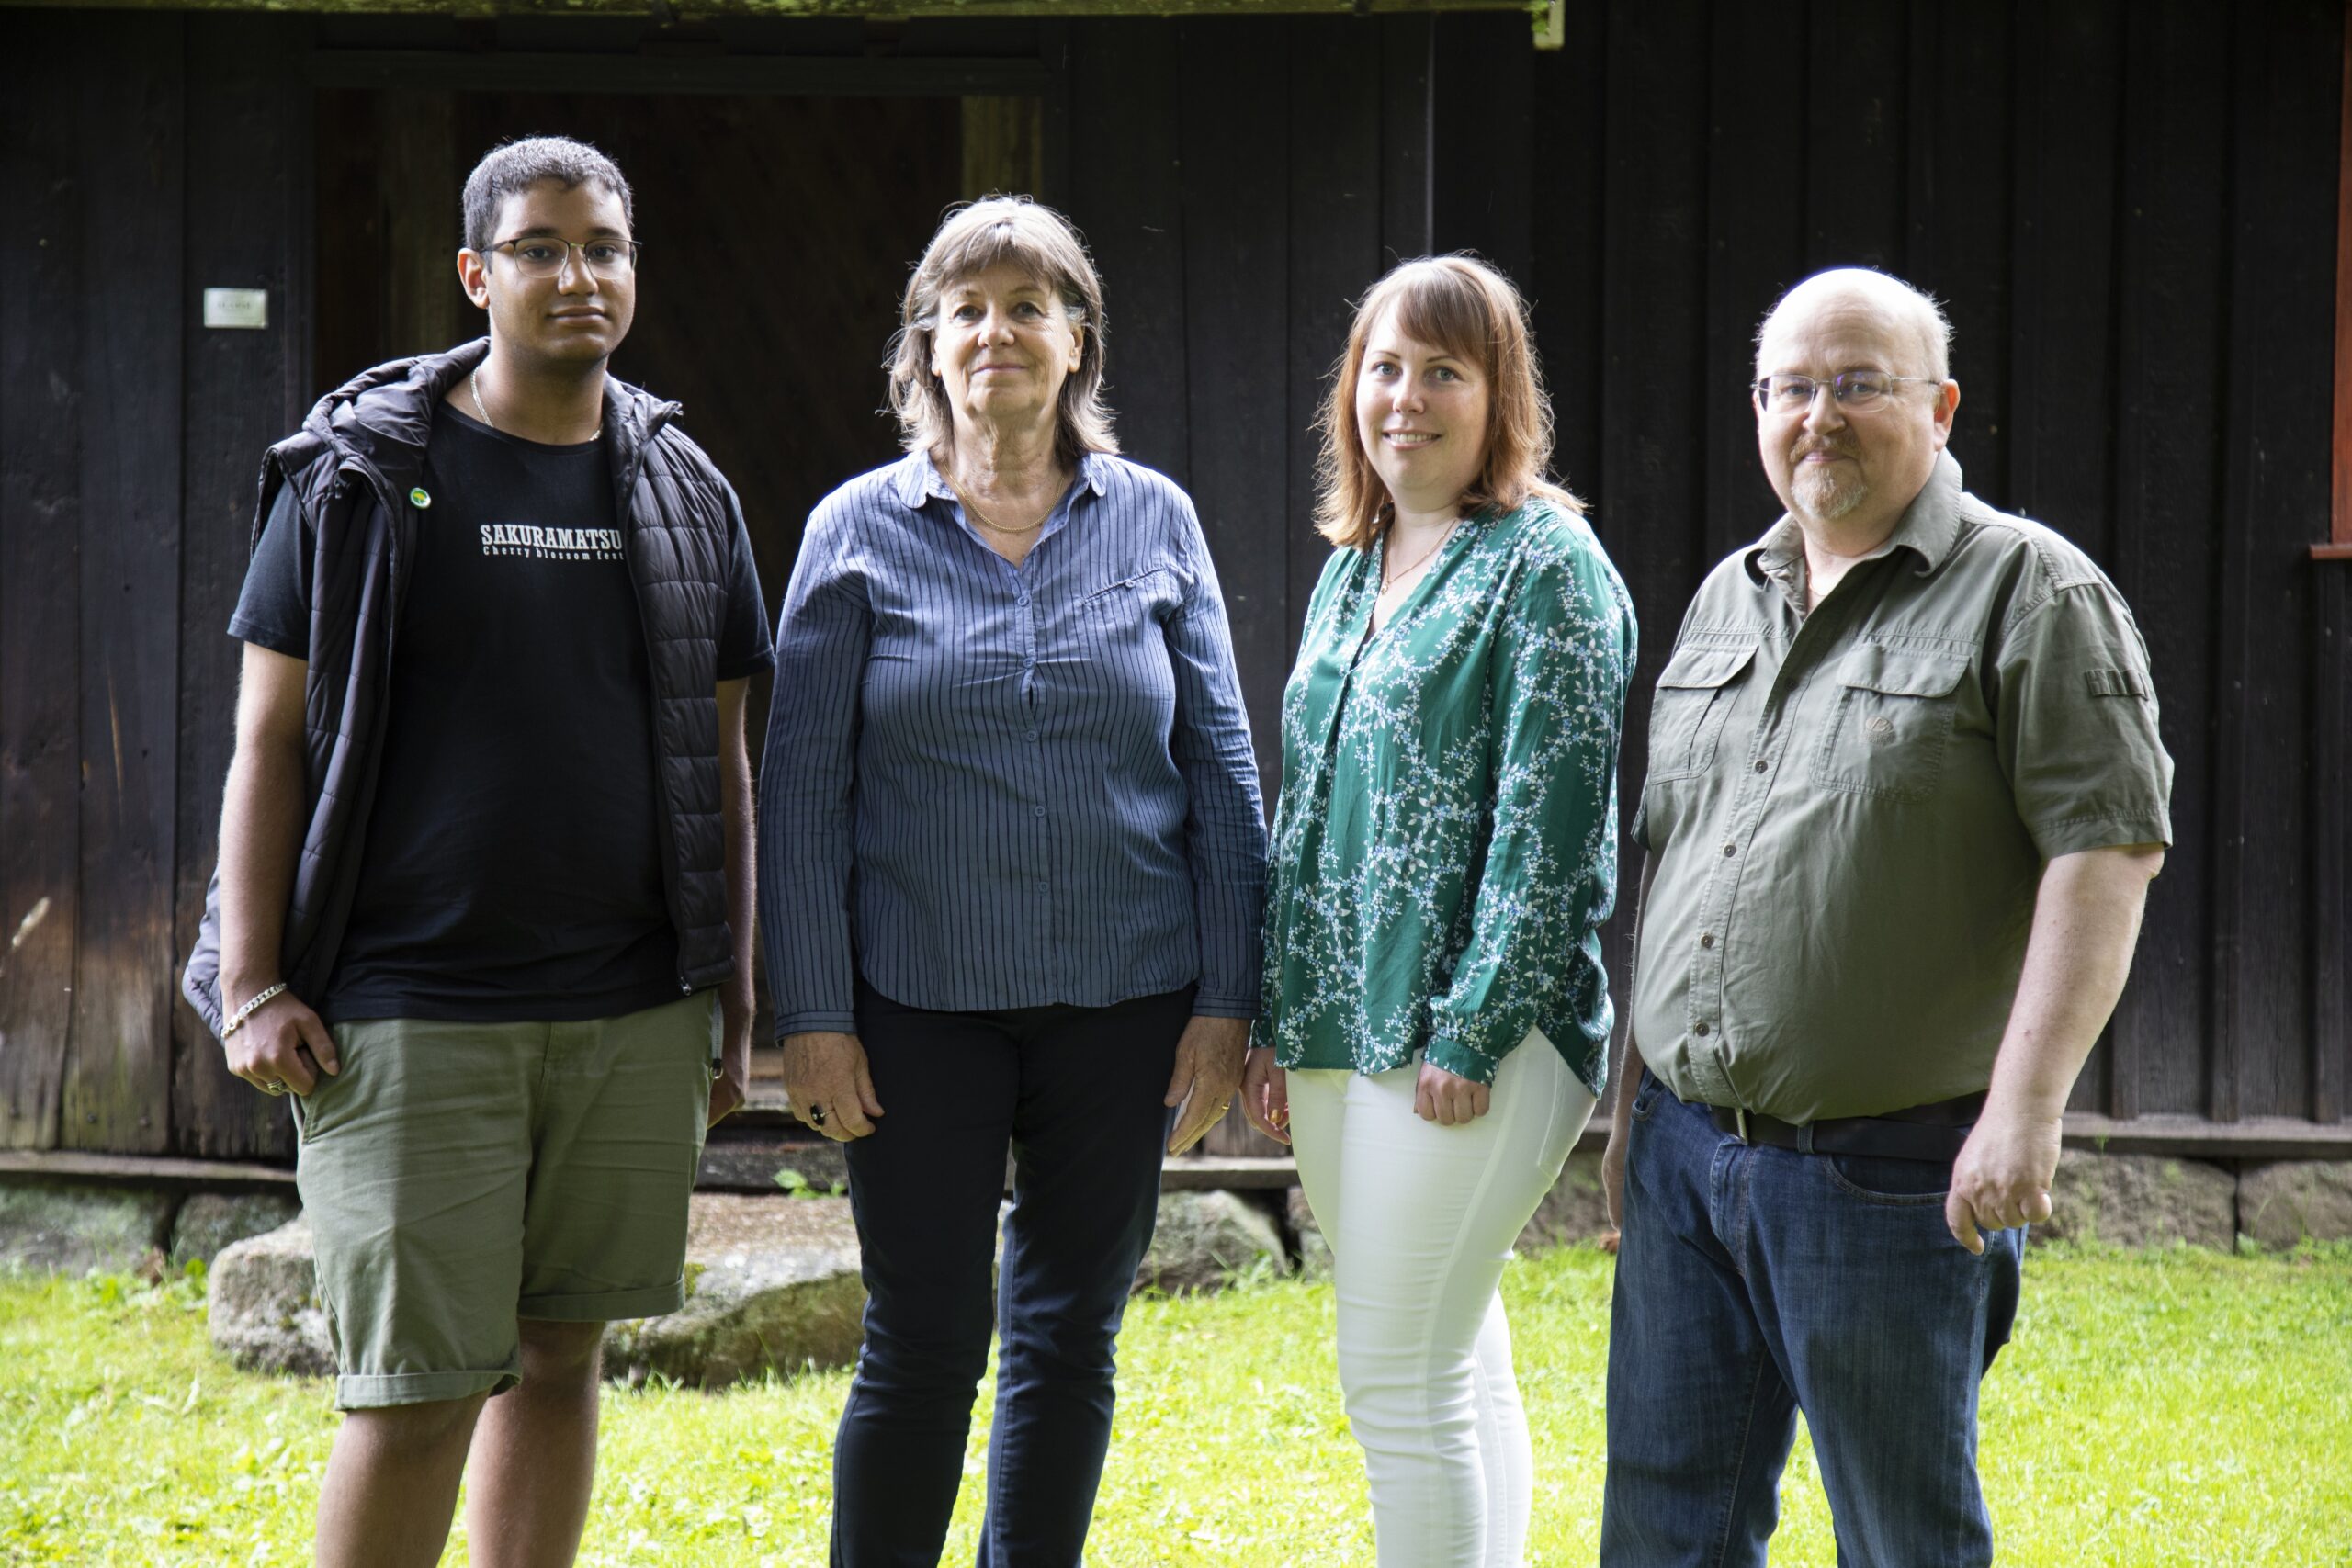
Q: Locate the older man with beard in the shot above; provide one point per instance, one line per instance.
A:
(1906, 796)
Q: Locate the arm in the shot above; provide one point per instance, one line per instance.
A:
(1629, 1068)
(1560, 672)
(2085, 924)
(1225, 839)
(261, 836)
(735, 1003)
(806, 774)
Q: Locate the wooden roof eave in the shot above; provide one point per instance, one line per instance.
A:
(876, 9)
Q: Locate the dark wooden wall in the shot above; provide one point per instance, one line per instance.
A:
(2130, 207)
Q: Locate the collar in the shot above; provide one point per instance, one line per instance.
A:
(1928, 529)
(917, 479)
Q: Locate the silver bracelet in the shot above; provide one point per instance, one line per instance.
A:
(252, 1005)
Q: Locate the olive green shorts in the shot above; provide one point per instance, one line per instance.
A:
(459, 1176)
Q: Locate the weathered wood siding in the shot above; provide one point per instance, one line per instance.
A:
(2131, 207)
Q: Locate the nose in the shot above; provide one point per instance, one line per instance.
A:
(1824, 412)
(571, 274)
(1405, 396)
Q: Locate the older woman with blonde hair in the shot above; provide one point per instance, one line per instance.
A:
(1011, 863)
(1435, 1011)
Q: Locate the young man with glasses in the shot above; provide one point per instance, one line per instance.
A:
(1906, 796)
(484, 904)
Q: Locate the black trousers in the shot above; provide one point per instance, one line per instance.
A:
(1076, 1094)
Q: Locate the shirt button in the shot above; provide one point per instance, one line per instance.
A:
(1700, 1031)
(1036, 811)
(1762, 765)
(1730, 850)
(1023, 599)
(1031, 736)
(1707, 939)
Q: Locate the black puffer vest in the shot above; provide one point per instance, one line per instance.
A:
(352, 465)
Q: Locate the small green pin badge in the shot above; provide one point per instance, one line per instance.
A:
(419, 498)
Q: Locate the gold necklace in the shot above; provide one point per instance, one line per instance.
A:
(972, 510)
(473, 385)
(1390, 579)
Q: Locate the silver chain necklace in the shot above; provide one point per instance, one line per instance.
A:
(473, 385)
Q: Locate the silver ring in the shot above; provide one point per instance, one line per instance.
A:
(274, 1085)
(815, 1116)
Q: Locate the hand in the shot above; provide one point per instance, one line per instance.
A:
(2002, 1176)
(731, 1084)
(825, 1079)
(1208, 1066)
(1449, 1099)
(281, 1045)
(1612, 1172)
(1265, 1094)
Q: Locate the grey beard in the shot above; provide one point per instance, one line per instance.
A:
(1824, 499)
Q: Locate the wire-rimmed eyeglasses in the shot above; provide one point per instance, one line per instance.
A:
(1856, 391)
(543, 255)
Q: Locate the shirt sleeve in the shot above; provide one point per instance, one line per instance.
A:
(274, 608)
(1223, 824)
(807, 772)
(2075, 725)
(744, 646)
(1564, 656)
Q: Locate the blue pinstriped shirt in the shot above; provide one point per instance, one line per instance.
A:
(989, 786)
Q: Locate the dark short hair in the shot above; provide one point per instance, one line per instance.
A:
(516, 166)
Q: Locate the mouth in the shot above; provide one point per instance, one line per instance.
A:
(1823, 455)
(576, 316)
(1405, 440)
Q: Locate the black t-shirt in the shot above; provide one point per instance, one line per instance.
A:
(511, 864)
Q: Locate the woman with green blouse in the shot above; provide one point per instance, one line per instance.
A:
(1436, 1016)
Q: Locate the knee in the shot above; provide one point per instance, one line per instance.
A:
(416, 1429)
(560, 1353)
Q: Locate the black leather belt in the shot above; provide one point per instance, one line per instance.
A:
(1932, 1132)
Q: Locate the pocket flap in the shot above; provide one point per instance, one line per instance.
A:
(1904, 671)
(1698, 668)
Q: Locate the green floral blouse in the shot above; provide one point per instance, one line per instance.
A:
(1446, 845)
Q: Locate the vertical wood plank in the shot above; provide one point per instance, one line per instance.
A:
(40, 518)
(1569, 88)
(422, 178)
(132, 291)
(1408, 129)
(1126, 194)
(2171, 344)
(1235, 157)
(245, 79)
(1485, 143)
(1856, 111)
(2332, 850)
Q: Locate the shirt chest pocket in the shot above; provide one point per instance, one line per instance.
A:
(1891, 721)
(1694, 698)
(1117, 609)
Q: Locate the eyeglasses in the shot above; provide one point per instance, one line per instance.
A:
(542, 255)
(1857, 392)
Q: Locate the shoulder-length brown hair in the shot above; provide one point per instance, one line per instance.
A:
(1465, 306)
(976, 236)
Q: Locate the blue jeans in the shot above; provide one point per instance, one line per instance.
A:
(1754, 1282)
(1075, 1093)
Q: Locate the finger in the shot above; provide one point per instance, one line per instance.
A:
(290, 1065)
(1424, 1102)
(1180, 1082)
(2038, 1209)
(320, 1039)
(1258, 1107)
(866, 1095)
(845, 1114)
(1961, 1219)
(1482, 1100)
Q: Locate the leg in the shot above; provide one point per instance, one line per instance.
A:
(392, 1484)
(1427, 1220)
(925, 1187)
(1088, 1140)
(534, 1452)
(1699, 1416)
(1886, 1325)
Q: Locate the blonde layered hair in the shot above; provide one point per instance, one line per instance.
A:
(1008, 230)
(1465, 306)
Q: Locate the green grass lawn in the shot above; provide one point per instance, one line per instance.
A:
(2155, 1408)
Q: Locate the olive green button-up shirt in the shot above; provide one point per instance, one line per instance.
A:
(1446, 845)
(1848, 811)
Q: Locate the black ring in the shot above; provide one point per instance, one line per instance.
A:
(815, 1116)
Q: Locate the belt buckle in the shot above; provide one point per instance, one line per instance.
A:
(1740, 1115)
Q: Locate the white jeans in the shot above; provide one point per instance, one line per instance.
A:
(1420, 1219)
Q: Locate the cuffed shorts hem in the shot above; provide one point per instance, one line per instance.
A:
(605, 1306)
(379, 1391)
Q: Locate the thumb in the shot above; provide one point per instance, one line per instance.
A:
(320, 1039)
(1961, 1219)
(866, 1095)
(1180, 1082)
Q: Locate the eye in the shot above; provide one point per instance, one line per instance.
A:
(965, 313)
(1383, 368)
(1030, 308)
(1789, 392)
(535, 251)
(1446, 373)
(603, 251)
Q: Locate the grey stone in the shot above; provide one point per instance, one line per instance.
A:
(1202, 1239)
(772, 1285)
(1574, 1209)
(2282, 1202)
(74, 1226)
(211, 1221)
(1314, 1249)
(2141, 1201)
(263, 1304)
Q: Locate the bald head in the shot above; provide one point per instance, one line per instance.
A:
(1916, 320)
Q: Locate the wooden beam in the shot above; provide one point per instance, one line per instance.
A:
(730, 76)
(2339, 545)
(1537, 11)
(143, 1170)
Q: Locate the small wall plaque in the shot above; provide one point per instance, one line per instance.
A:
(245, 307)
